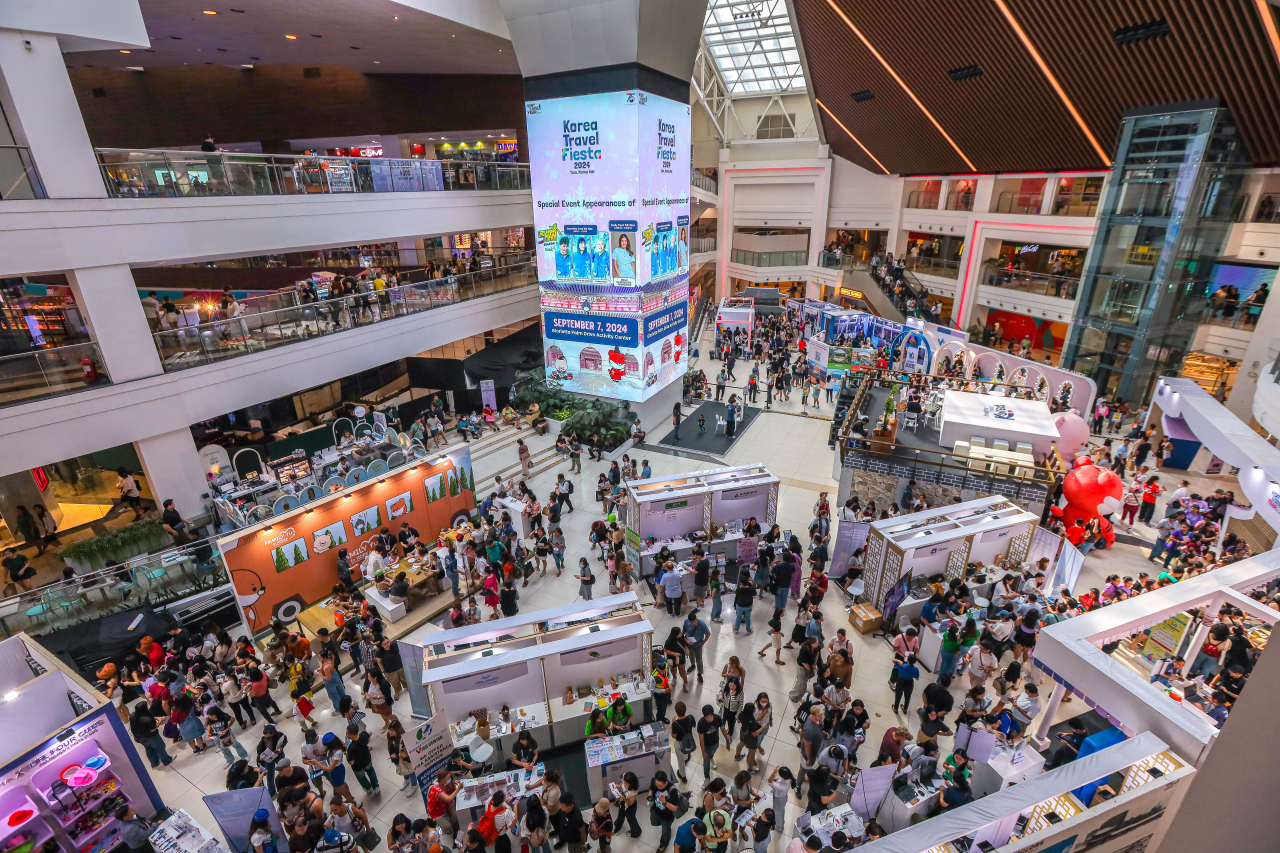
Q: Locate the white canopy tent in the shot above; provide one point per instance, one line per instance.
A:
(1070, 653)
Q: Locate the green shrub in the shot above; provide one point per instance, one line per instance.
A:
(138, 538)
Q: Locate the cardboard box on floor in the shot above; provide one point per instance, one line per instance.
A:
(865, 618)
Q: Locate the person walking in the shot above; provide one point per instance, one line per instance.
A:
(525, 466)
(696, 633)
(721, 380)
(675, 421)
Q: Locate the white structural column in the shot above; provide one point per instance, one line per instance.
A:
(42, 111)
(174, 470)
(1041, 737)
(108, 298)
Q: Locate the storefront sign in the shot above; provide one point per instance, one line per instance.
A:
(852, 294)
(740, 495)
(485, 680)
(41, 478)
(215, 458)
(601, 652)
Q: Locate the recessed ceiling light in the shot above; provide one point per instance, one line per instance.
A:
(11, 695)
(397, 17)
(291, 38)
(210, 12)
(246, 65)
(126, 51)
(376, 62)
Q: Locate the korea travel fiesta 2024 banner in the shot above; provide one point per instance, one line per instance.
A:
(611, 199)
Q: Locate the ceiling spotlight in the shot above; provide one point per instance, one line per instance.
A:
(126, 51)
(11, 695)
(210, 12)
(291, 38)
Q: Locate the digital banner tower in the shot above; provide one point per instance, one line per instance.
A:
(610, 179)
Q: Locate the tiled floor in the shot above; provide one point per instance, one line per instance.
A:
(795, 449)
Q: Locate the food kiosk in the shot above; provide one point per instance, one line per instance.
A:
(71, 762)
(941, 541)
(709, 507)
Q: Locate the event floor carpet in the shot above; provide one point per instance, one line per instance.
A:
(712, 441)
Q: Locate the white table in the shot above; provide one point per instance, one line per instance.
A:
(1000, 772)
(966, 414)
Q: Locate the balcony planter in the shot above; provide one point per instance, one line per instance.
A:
(91, 555)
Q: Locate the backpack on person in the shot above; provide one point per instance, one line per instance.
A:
(487, 828)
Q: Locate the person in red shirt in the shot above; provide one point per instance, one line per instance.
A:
(160, 690)
(1075, 533)
(1150, 492)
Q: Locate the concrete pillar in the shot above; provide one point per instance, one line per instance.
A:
(42, 110)
(108, 299)
(1041, 736)
(173, 469)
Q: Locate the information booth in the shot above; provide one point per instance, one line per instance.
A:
(903, 552)
(736, 312)
(709, 507)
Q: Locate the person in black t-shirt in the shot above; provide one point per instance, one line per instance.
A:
(399, 591)
(701, 578)
(710, 727)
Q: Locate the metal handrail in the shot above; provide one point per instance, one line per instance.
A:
(1044, 284)
(195, 173)
(702, 182)
(27, 174)
(1268, 209)
(14, 370)
(770, 259)
(308, 320)
(960, 200)
(1017, 202)
(923, 199)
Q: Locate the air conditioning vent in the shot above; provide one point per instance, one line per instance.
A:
(1142, 32)
(966, 73)
(311, 73)
(864, 95)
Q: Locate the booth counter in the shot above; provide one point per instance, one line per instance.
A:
(941, 541)
(708, 507)
(643, 752)
(475, 794)
(533, 676)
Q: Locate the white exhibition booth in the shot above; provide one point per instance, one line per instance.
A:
(944, 541)
(1229, 439)
(734, 313)
(1069, 652)
(1044, 811)
(994, 418)
(1071, 389)
(708, 507)
(588, 653)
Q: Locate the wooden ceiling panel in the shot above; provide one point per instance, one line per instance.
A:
(1010, 119)
(890, 125)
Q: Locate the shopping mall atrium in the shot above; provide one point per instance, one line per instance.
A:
(879, 341)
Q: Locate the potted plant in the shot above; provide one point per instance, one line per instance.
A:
(93, 554)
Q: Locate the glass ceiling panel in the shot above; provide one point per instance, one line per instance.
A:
(753, 46)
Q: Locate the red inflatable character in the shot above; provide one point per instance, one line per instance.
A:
(1090, 492)
(679, 345)
(617, 363)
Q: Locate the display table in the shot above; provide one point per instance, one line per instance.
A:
(476, 793)
(569, 722)
(515, 509)
(643, 752)
(1001, 771)
(837, 819)
(910, 800)
(682, 550)
(965, 414)
(181, 834)
(533, 718)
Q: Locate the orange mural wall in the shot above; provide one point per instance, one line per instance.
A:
(289, 562)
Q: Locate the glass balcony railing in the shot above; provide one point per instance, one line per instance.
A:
(1234, 316)
(922, 200)
(960, 200)
(18, 176)
(1011, 202)
(1268, 209)
(841, 261)
(50, 373)
(933, 266)
(698, 245)
(702, 182)
(156, 579)
(130, 173)
(1043, 284)
(223, 338)
(770, 259)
